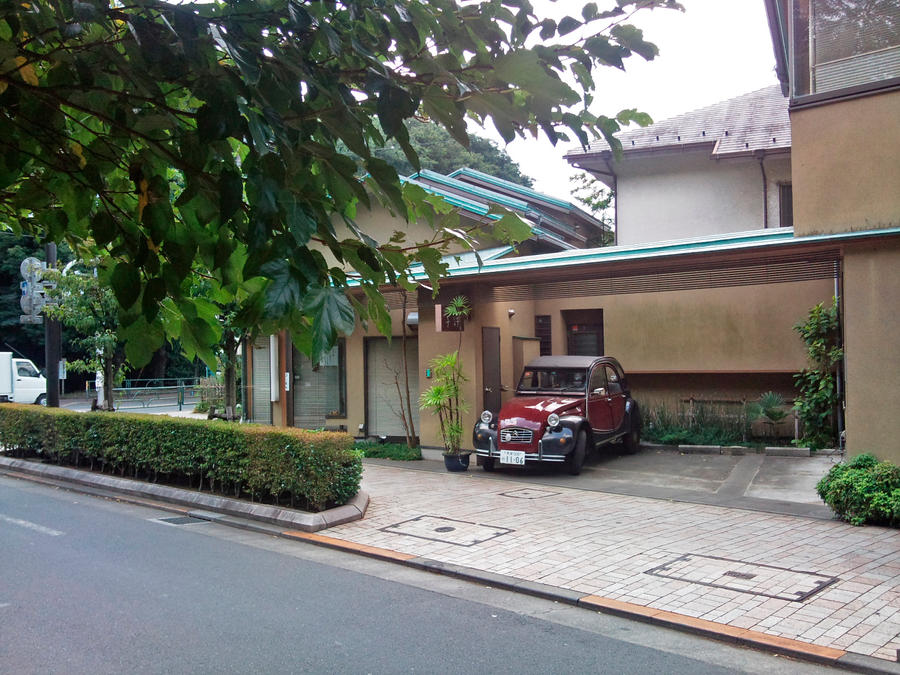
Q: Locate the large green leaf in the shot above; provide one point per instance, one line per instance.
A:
(331, 314)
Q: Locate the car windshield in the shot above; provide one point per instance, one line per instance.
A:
(561, 380)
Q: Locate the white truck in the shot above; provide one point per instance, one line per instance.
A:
(21, 381)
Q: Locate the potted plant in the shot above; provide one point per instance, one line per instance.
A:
(444, 397)
(770, 409)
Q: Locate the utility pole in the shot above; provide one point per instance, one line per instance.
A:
(52, 344)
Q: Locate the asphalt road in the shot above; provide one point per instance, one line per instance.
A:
(96, 586)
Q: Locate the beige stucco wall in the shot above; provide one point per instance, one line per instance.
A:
(846, 165)
(872, 348)
(690, 195)
(742, 328)
(729, 341)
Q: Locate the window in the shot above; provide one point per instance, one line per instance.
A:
(25, 369)
(584, 332)
(785, 205)
(615, 387)
(837, 44)
(598, 379)
(542, 330)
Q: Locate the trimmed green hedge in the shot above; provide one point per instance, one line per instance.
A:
(863, 490)
(310, 469)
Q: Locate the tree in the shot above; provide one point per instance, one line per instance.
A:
(85, 304)
(439, 151)
(599, 200)
(163, 137)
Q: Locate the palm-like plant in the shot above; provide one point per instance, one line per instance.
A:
(443, 398)
(769, 407)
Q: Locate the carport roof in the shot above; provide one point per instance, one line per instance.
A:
(756, 240)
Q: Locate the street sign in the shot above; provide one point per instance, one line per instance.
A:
(30, 268)
(31, 318)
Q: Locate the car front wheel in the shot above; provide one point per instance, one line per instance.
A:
(576, 458)
(42, 400)
(488, 464)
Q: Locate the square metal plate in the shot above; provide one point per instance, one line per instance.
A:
(447, 530)
(744, 577)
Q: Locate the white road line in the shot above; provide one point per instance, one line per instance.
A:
(31, 526)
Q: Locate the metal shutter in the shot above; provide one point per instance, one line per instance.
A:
(317, 390)
(382, 361)
(261, 412)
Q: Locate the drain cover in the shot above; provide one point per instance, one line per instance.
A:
(181, 520)
(438, 528)
(744, 577)
(528, 493)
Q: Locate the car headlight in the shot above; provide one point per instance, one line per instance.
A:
(487, 416)
(552, 420)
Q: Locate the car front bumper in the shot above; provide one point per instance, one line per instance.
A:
(554, 446)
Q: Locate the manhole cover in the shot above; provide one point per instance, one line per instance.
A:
(437, 528)
(528, 493)
(744, 577)
(180, 520)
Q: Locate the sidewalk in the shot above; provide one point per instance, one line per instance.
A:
(827, 584)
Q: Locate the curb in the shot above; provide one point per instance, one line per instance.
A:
(355, 509)
(703, 627)
(770, 451)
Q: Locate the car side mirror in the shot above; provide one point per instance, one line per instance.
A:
(599, 391)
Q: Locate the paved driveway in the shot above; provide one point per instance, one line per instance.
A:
(785, 485)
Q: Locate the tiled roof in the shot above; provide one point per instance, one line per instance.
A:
(755, 121)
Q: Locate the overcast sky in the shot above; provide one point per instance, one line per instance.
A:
(714, 50)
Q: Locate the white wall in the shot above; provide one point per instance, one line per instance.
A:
(688, 194)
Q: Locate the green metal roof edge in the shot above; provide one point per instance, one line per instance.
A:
(509, 202)
(515, 187)
(455, 200)
(738, 241)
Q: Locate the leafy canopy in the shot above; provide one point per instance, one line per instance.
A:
(174, 139)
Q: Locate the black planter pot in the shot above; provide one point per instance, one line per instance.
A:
(456, 462)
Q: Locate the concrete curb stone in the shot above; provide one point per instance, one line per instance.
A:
(355, 509)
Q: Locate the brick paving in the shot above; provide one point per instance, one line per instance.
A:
(702, 557)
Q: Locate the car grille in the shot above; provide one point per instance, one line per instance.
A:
(515, 435)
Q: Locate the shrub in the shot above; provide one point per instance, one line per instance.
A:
(310, 469)
(699, 424)
(396, 451)
(863, 490)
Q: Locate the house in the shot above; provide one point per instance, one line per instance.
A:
(355, 386)
(724, 168)
(750, 224)
(839, 64)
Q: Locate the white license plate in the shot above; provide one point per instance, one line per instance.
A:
(512, 457)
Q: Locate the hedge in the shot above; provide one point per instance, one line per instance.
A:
(310, 469)
(863, 490)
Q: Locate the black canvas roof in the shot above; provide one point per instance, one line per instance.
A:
(564, 361)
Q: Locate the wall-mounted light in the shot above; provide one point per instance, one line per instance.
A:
(511, 312)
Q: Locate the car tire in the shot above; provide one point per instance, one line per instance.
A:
(576, 457)
(42, 400)
(632, 439)
(488, 464)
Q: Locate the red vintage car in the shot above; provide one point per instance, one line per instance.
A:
(564, 406)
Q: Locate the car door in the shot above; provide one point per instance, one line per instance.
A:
(599, 414)
(616, 396)
(28, 382)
